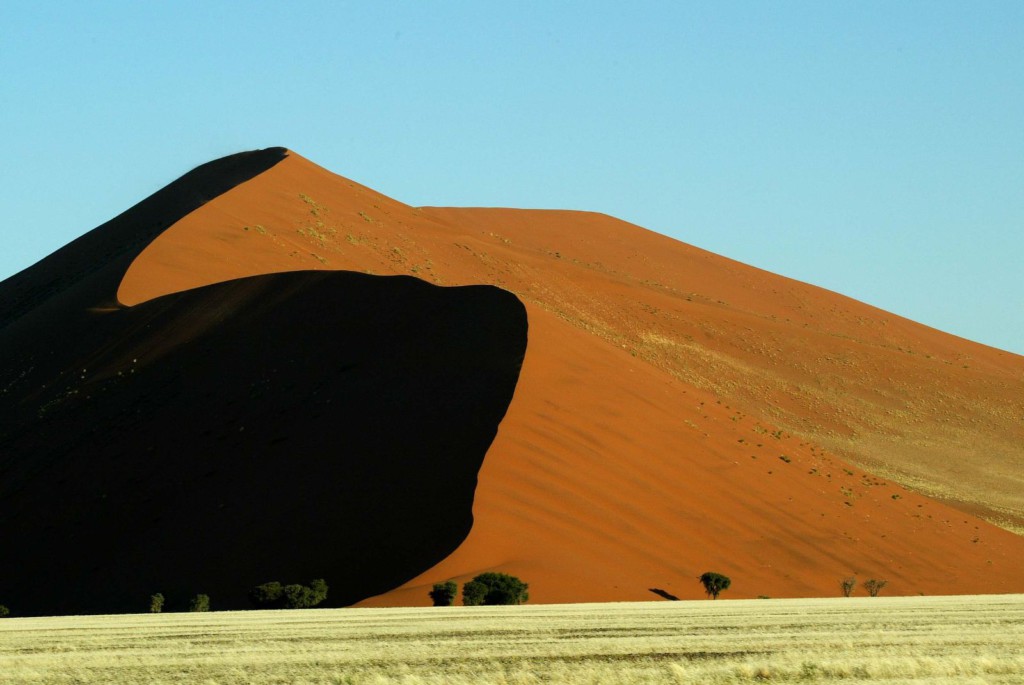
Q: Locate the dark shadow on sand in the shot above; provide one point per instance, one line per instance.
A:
(281, 427)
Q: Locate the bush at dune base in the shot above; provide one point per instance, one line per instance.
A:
(444, 594)
(274, 595)
(494, 589)
(714, 583)
(199, 603)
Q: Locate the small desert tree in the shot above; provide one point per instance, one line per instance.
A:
(499, 589)
(297, 596)
(156, 603)
(318, 587)
(267, 596)
(274, 595)
(714, 583)
(444, 594)
(305, 596)
(874, 586)
(847, 585)
(199, 603)
(4, 611)
(473, 593)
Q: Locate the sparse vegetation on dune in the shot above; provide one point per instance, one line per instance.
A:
(714, 583)
(274, 595)
(938, 640)
(199, 603)
(874, 586)
(495, 589)
(444, 594)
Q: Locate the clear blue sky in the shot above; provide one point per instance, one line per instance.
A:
(872, 148)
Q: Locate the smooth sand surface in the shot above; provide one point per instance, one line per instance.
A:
(661, 389)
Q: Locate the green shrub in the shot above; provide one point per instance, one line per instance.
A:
(319, 588)
(473, 593)
(297, 596)
(4, 611)
(199, 603)
(273, 595)
(444, 594)
(495, 589)
(714, 583)
(267, 596)
(302, 596)
(156, 603)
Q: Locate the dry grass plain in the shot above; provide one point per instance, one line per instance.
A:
(961, 639)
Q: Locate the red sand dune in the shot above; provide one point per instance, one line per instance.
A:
(639, 449)
(677, 411)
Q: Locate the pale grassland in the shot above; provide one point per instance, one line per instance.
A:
(857, 640)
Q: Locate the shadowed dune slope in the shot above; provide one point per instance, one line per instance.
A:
(677, 412)
(279, 427)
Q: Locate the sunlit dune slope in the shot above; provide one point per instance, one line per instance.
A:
(87, 271)
(616, 481)
(678, 411)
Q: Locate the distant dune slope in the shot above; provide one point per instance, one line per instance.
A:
(926, 408)
(677, 412)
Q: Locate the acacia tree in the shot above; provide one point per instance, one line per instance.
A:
(318, 588)
(473, 593)
(874, 586)
(847, 585)
(156, 603)
(199, 603)
(714, 583)
(444, 594)
(495, 588)
(274, 595)
(267, 595)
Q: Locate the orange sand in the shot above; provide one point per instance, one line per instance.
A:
(661, 387)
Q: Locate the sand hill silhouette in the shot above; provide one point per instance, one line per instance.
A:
(285, 426)
(675, 411)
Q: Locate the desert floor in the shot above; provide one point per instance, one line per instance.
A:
(958, 639)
